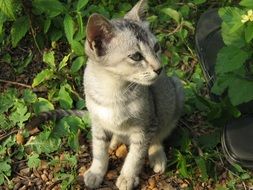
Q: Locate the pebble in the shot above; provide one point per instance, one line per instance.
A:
(111, 175)
(44, 177)
(25, 171)
(121, 152)
(152, 183)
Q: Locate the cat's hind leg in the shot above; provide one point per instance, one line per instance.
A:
(157, 157)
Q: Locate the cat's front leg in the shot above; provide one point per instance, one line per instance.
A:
(100, 142)
(129, 175)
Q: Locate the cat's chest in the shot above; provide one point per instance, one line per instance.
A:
(115, 116)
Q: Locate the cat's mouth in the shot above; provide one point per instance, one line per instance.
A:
(146, 82)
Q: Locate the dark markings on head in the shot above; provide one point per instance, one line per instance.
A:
(137, 30)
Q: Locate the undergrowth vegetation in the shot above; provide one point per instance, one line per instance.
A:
(41, 66)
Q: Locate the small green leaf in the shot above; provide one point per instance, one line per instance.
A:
(69, 28)
(77, 64)
(202, 166)
(29, 96)
(230, 59)
(247, 3)
(48, 57)
(78, 48)
(81, 4)
(42, 105)
(33, 161)
(63, 62)
(198, 2)
(249, 32)
(6, 6)
(19, 114)
(47, 24)
(44, 75)
(173, 14)
(19, 30)
(65, 98)
(51, 7)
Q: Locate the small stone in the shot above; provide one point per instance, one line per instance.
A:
(25, 171)
(152, 183)
(20, 138)
(111, 175)
(121, 152)
(82, 170)
(44, 177)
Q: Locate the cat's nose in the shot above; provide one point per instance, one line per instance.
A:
(158, 71)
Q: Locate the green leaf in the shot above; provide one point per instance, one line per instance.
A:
(6, 6)
(198, 2)
(43, 143)
(230, 59)
(69, 28)
(202, 166)
(19, 114)
(77, 64)
(33, 161)
(63, 62)
(19, 30)
(81, 34)
(51, 7)
(42, 105)
(48, 57)
(249, 32)
(78, 48)
(182, 167)
(65, 98)
(173, 14)
(73, 141)
(247, 3)
(7, 100)
(44, 75)
(4, 124)
(29, 96)
(47, 24)
(240, 91)
(81, 4)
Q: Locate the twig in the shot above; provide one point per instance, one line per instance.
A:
(8, 134)
(15, 83)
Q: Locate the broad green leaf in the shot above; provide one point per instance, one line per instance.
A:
(230, 59)
(42, 105)
(63, 62)
(44, 75)
(182, 167)
(6, 6)
(77, 64)
(19, 114)
(48, 57)
(81, 4)
(232, 16)
(249, 32)
(78, 48)
(209, 141)
(240, 91)
(81, 34)
(19, 30)
(69, 28)
(33, 161)
(43, 143)
(51, 7)
(65, 98)
(173, 14)
(247, 3)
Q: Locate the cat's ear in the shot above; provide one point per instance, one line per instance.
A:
(138, 12)
(99, 32)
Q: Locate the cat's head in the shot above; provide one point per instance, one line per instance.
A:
(125, 47)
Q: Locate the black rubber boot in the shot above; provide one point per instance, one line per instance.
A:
(237, 137)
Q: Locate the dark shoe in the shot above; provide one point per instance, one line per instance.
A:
(237, 137)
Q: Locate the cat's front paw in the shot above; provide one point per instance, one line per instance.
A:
(92, 180)
(158, 161)
(127, 183)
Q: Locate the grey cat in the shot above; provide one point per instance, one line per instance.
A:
(128, 95)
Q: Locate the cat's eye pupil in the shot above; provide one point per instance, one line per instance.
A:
(136, 56)
(156, 47)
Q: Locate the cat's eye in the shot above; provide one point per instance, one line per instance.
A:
(156, 47)
(136, 56)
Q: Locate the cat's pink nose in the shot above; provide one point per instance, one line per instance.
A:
(158, 71)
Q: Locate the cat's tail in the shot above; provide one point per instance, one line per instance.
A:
(57, 114)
